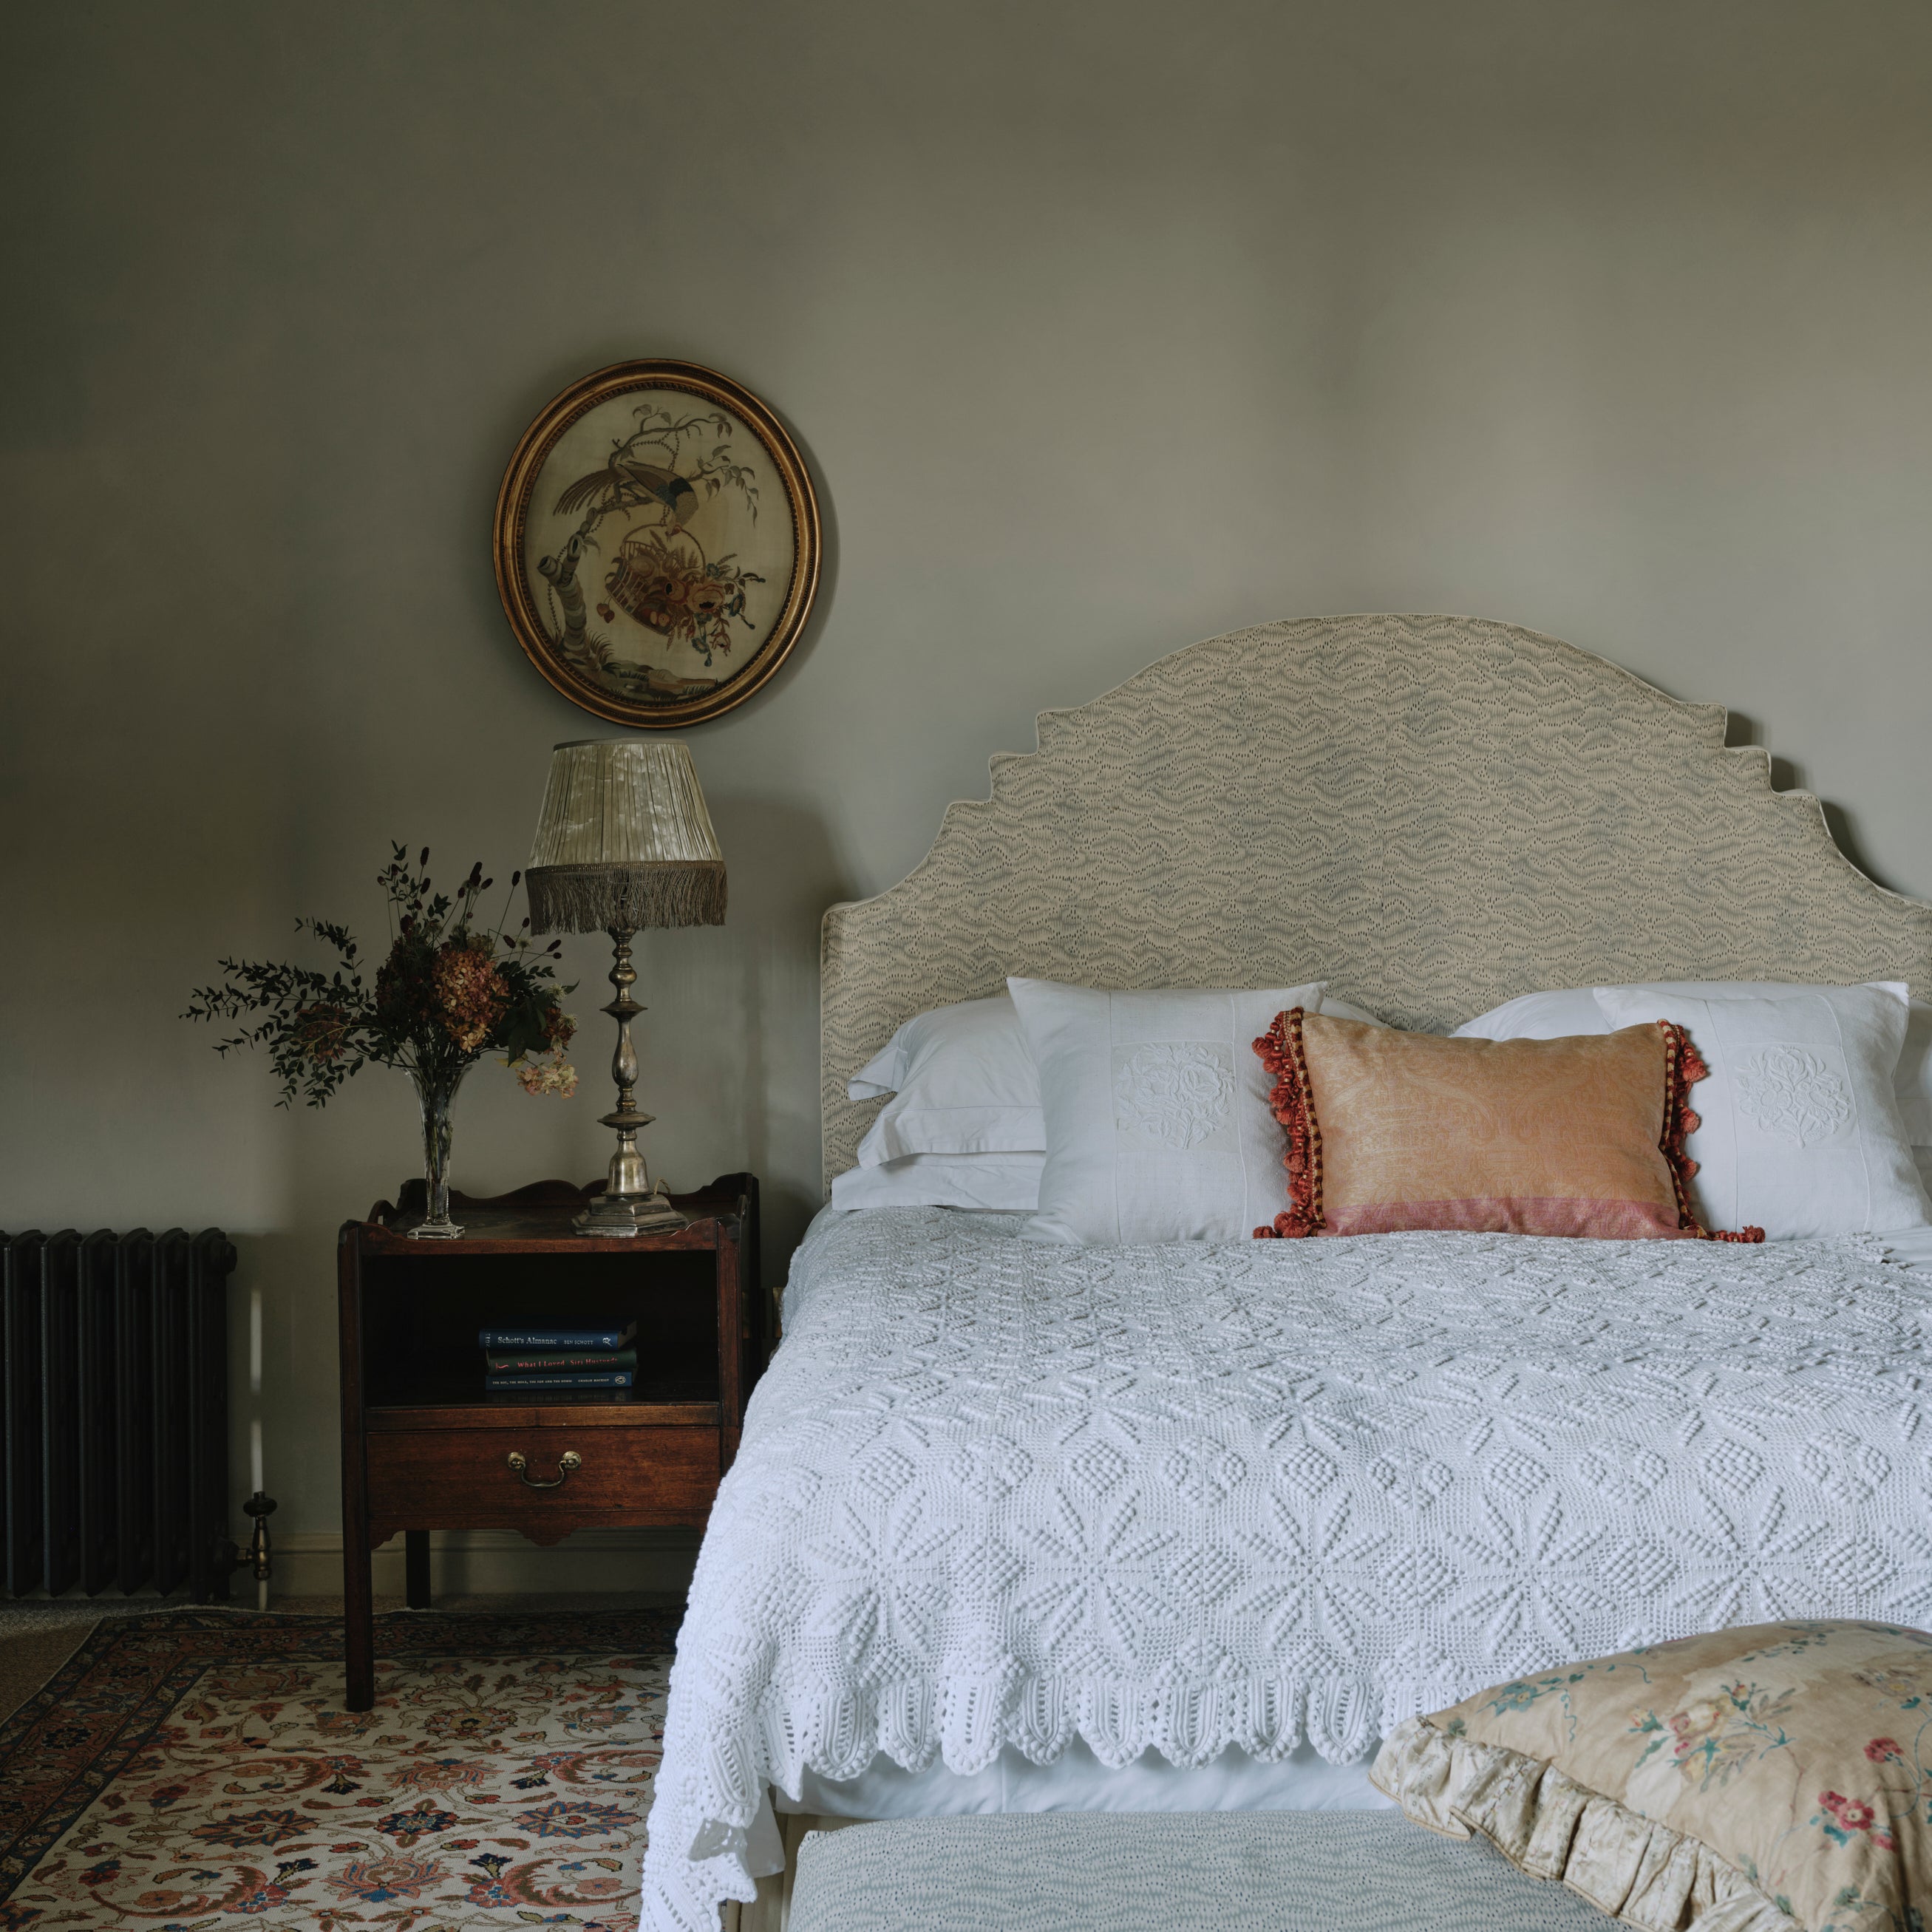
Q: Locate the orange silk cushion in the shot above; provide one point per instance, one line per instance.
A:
(1389, 1130)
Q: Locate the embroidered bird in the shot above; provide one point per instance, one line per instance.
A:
(625, 484)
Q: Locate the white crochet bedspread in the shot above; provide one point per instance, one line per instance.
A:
(1190, 1497)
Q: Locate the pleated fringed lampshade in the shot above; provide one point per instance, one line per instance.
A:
(624, 841)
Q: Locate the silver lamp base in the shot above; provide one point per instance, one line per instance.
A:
(631, 1204)
(619, 1216)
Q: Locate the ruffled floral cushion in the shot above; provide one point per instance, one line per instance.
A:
(1761, 1779)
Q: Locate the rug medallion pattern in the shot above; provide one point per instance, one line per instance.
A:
(194, 1771)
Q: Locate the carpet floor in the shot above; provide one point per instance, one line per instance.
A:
(194, 1771)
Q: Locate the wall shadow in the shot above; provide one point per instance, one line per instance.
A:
(783, 872)
(1786, 774)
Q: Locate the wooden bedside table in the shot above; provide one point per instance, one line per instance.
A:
(425, 1447)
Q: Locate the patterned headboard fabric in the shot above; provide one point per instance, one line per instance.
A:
(1434, 814)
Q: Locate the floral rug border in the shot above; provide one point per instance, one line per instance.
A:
(56, 1759)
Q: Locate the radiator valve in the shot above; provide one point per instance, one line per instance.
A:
(255, 1559)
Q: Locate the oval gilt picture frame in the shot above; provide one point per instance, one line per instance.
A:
(657, 544)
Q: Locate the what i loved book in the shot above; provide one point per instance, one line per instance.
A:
(513, 1361)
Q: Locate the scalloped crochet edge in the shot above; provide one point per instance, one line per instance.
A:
(1641, 1873)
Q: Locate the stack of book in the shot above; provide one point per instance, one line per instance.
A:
(529, 1360)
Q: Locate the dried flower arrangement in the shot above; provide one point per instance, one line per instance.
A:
(449, 990)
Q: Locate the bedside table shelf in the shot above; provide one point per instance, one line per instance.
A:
(426, 1445)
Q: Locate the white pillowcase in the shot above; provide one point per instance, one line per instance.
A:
(943, 1180)
(1559, 1014)
(1340, 1010)
(1573, 1009)
(1157, 1121)
(1912, 1083)
(962, 1082)
(1801, 1133)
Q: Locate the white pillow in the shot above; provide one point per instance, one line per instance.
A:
(1340, 1010)
(1157, 1121)
(1559, 1014)
(962, 1081)
(1800, 1135)
(1573, 1009)
(1912, 1083)
(943, 1180)
(882, 1073)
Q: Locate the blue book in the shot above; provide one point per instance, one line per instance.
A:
(555, 1338)
(609, 1379)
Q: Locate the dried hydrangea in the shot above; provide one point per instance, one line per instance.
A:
(469, 991)
(555, 1076)
(448, 990)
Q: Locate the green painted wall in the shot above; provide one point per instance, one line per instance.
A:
(1105, 327)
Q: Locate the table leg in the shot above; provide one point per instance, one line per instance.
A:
(415, 1568)
(358, 1620)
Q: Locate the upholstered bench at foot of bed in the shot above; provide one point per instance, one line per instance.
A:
(1281, 1871)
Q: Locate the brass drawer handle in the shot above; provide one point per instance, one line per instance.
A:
(569, 1460)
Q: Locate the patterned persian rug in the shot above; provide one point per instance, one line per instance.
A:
(194, 1771)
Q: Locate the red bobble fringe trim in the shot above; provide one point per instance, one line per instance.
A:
(1683, 1067)
(1293, 1104)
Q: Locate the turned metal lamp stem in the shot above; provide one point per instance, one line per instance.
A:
(630, 1203)
(624, 841)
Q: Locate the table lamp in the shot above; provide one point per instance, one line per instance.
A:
(624, 841)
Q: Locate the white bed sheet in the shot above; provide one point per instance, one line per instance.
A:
(1077, 1781)
(1912, 1248)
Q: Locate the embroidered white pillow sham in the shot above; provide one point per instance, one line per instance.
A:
(1800, 1132)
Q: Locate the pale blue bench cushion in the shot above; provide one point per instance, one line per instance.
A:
(1280, 1871)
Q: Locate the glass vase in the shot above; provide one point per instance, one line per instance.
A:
(436, 1090)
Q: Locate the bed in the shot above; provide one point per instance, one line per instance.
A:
(1189, 1527)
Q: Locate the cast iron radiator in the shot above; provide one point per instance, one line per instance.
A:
(114, 1379)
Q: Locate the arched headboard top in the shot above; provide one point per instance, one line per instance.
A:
(1434, 814)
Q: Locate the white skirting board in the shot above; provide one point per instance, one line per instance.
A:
(497, 1562)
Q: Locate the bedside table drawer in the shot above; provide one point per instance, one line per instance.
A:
(464, 1478)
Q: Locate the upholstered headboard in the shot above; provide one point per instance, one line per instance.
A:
(1434, 814)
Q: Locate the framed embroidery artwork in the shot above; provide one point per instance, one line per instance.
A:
(657, 544)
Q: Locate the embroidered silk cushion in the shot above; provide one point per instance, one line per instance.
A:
(1801, 1130)
(1758, 1780)
(1388, 1130)
(1156, 1111)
